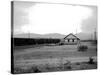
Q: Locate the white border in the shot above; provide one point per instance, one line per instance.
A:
(5, 35)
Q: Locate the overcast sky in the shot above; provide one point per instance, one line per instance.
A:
(44, 18)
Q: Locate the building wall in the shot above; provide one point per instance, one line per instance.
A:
(70, 41)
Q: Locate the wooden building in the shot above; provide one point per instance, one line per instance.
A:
(70, 39)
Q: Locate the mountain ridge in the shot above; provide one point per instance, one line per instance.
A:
(83, 36)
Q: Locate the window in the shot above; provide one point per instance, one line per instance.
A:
(73, 40)
(68, 40)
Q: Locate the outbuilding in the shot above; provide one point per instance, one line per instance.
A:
(70, 39)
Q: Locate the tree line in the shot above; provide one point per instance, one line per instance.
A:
(34, 41)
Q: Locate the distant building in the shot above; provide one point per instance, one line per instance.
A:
(70, 39)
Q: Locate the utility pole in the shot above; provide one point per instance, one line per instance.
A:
(95, 38)
(76, 29)
(28, 33)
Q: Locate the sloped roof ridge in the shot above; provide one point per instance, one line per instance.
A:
(72, 35)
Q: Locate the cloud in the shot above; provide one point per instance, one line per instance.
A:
(90, 24)
(21, 13)
(42, 18)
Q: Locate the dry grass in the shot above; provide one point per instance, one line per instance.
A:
(59, 67)
(53, 58)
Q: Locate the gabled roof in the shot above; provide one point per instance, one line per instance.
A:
(72, 35)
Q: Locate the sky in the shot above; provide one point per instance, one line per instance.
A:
(45, 18)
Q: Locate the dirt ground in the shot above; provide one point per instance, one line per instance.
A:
(54, 58)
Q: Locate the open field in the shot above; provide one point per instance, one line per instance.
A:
(47, 58)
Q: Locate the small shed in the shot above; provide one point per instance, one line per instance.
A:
(70, 39)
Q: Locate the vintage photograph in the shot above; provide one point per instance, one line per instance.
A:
(51, 37)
